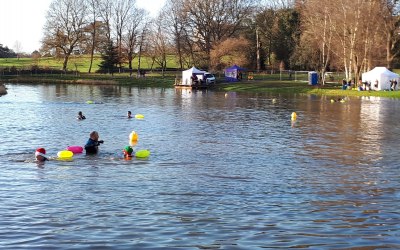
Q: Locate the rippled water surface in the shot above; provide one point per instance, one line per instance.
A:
(226, 171)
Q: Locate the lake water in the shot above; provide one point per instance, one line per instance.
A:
(226, 170)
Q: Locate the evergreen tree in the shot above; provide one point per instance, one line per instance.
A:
(110, 59)
(5, 52)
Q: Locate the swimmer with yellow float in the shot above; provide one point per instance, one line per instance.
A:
(68, 153)
(40, 155)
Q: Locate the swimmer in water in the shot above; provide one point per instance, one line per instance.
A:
(80, 116)
(40, 155)
(129, 114)
(92, 145)
(127, 152)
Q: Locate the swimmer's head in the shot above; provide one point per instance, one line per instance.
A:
(40, 154)
(94, 135)
(127, 151)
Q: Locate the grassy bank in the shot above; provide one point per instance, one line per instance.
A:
(331, 89)
(95, 79)
(79, 63)
(167, 81)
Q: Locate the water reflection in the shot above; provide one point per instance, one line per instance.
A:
(227, 170)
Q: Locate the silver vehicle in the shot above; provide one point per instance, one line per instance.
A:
(209, 78)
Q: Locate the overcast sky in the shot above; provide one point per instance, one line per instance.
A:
(23, 21)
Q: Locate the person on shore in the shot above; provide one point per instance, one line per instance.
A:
(376, 85)
(393, 84)
(80, 116)
(40, 155)
(92, 145)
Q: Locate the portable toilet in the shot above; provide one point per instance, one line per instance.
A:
(312, 78)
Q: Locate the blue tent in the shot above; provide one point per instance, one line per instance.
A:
(234, 73)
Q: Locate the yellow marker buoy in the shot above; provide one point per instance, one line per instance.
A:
(144, 153)
(139, 116)
(89, 102)
(65, 154)
(133, 137)
(294, 116)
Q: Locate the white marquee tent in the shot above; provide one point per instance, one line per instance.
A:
(187, 74)
(380, 75)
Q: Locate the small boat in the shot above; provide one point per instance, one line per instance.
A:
(179, 85)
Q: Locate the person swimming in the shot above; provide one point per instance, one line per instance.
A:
(129, 114)
(40, 155)
(127, 152)
(92, 145)
(80, 116)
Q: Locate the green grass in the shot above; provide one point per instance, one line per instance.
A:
(151, 80)
(272, 83)
(80, 63)
(294, 87)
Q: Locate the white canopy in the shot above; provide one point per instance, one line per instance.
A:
(187, 74)
(380, 78)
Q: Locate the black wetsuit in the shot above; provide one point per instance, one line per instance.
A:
(92, 146)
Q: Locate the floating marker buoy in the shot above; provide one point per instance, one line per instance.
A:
(133, 137)
(89, 102)
(294, 116)
(139, 116)
(144, 153)
(65, 154)
(75, 149)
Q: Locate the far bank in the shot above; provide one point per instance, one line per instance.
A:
(259, 86)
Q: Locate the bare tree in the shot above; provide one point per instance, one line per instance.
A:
(93, 11)
(136, 19)
(391, 22)
(230, 52)
(142, 39)
(348, 31)
(175, 21)
(159, 48)
(212, 21)
(318, 26)
(106, 12)
(265, 21)
(122, 10)
(64, 26)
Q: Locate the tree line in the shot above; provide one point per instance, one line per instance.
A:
(323, 35)
(5, 52)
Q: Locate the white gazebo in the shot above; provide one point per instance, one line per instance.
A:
(380, 78)
(187, 75)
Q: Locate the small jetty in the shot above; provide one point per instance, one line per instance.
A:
(195, 85)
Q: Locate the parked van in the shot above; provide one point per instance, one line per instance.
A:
(209, 78)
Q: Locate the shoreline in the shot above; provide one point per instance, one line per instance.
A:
(255, 86)
(290, 87)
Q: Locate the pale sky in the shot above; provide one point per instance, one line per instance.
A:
(23, 21)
